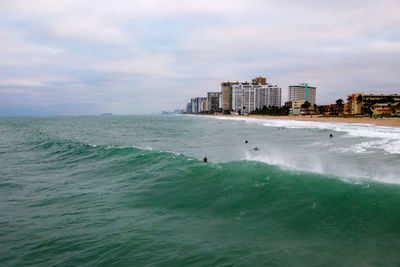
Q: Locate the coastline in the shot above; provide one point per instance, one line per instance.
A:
(392, 122)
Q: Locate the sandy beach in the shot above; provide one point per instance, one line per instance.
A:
(380, 121)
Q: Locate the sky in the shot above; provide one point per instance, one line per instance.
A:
(77, 57)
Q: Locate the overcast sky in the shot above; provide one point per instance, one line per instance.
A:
(60, 57)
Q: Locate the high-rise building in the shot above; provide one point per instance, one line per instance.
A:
(199, 104)
(247, 97)
(189, 107)
(193, 105)
(213, 101)
(226, 90)
(302, 92)
(259, 80)
(203, 104)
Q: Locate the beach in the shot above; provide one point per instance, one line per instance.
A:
(394, 122)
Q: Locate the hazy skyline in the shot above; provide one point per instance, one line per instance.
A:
(134, 57)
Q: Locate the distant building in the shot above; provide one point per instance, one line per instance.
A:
(331, 109)
(189, 107)
(353, 105)
(203, 104)
(294, 106)
(213, 101)
(356, 102)
(259, 80)
(226, 95)
(199, 104)
(247, 97)
(193, 104)
(382, 108)
(302, 92)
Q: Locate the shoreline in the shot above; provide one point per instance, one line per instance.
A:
(393, 122)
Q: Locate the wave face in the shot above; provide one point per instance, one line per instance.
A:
(133, 190)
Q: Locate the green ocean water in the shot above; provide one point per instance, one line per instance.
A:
(133, 191)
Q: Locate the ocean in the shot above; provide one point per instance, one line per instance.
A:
(134, 191)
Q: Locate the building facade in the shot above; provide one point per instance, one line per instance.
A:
(302, 92)
(189, 107)
(226, 95)
(247, 97)
(259, 80)
(382, 109)
(199, 104)
(213, 99)
(356, 102)
(294, 106)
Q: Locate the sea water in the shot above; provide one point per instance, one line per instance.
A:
(134, 191)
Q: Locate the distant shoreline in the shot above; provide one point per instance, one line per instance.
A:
(394, 122)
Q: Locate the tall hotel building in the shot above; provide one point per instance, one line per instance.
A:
(302, 92)
(247, 97)
(213, 101)
(199, 104)
(226, 95)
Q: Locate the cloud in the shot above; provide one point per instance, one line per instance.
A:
(144, 56)
(152, 65)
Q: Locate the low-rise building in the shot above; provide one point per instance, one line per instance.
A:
(382, 108)
(359, 103)
(294, 106)
(332, 109)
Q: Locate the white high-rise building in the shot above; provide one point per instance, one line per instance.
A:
(247, 97)
(302, 92)
(199, 104)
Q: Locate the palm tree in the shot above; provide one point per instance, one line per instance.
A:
(339, 103)
(306, 105)
(359, 99)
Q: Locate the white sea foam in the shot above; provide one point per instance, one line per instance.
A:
(357, 151)
(390, 135)
(346, 172)
(352, 129)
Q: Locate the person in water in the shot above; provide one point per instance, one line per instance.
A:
(331, 135)
(256, 148)
(205, 159)
(246, 142)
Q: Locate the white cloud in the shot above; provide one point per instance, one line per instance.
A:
(113, 52)
(152, 65)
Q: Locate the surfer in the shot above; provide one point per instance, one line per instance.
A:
(246, 142)
(205, 159)
(256, 148)
(331, 135)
